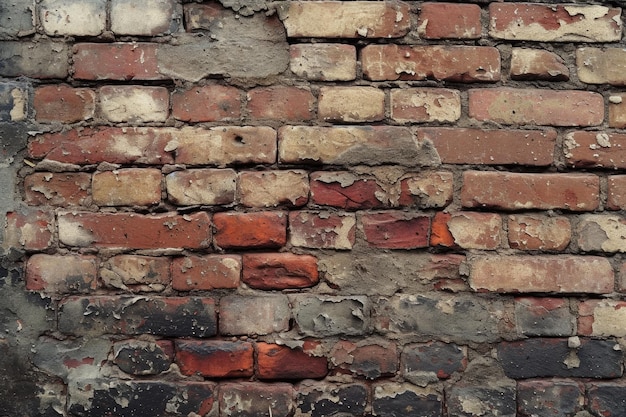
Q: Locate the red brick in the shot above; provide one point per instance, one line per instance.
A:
(57, 189)
(559, 274)
(425, 105)
(345, 190)
(351, 104)
(536, 106)
(491, 147)
(323, 62)
(225, 145)
(127, 187)
(602, 318)
(353, 19)
(135, 231)
(268, 314)
(616, 195)
(206, 272)
(322, 230)
(250, 230)
(369, 360)
(281, 103)
(61, 274)
(554, 23)
(116, 61)
(432, 62)
(201, 186)
(538, 232)
(282, 362)
(517, 191)
(279, 271)
(214, 358)
(126, 145)
(426, 189)
(133, 103)
(135, 272)
(29, 229)
(595, 149)
(537, 64)
(476, 230)
(64, 104)
(440, 234)
(274, 188)
(449, 21)
(396, 230)
(209, 103)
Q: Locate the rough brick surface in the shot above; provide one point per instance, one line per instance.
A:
(215, 359)
(134, 272)
(449, 20)
(116, 61)
(127, 187)
(351, 104)
(134, 104)
(425, 105)
(279, 271)
(257, 230)
(64, 104)
(537, 64)
(206, 272)
(323, 62)
(201, 186)
(207, 104)
(595, 149)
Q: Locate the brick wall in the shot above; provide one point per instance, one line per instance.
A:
(312, 208)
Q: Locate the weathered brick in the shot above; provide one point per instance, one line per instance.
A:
(516, 191)
(323, 62)
(130, 230)
(601, 65)
(206, 272)
(346, 190)
(61, 274)
(279, 271)
(115, 145)
(134, 272)
(425, 105)
(43, 59)
(225, 145)
(617, 110)
(560, 274)
(459, 318)
(395, 400)
(543, 316)
(210, 103)
(132, 17)
(595, 149)
(62, 103)
(127, 187)
(602, 318)
(274, 188)
(215, 358)
(554, 23)
(621, 278)
(29, 229)
(396, 230)
(472, 400)
(310, 229)
(426, 189)
(252, 399)
(325, 315)
(471, 230)
(138, 357)
(538, 232)
(268, 314)
(352, 145)
(116, 61)
(438, 62)
(16, 19)
(537, 64)
(553, 397)
(137, 104)
(201, 186)
(553, 357)
(281, 103)
(250, 230)
(491, 147)
(603, 233)
(607, 398)
(616, 197)
(281, 362)
(429, 362)
(325, 399)
(440, 232)
(168, 316)
(14, 102)
(351, 104)
(73, 18)
(536, 106)
(57, 189)
(355, 19)
(449, 21)
(367, 359)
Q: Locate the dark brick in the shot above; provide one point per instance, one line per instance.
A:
(473, 401)
(543, 316)
(542, 357)
(607, 399)
(16, 18)
(429, 362)
(215, 358)
(18, 134)
(325, 400)
(138, 357)
(369, 360)
(14, 102)
(330, 315)
(171, 316)
(42, 59)
(250, 399)
(394, 400)
(558, 398)
(281, 362)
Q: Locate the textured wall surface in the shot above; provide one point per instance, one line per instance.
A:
(312, 208)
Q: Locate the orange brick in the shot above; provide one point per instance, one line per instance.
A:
(250, 230)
